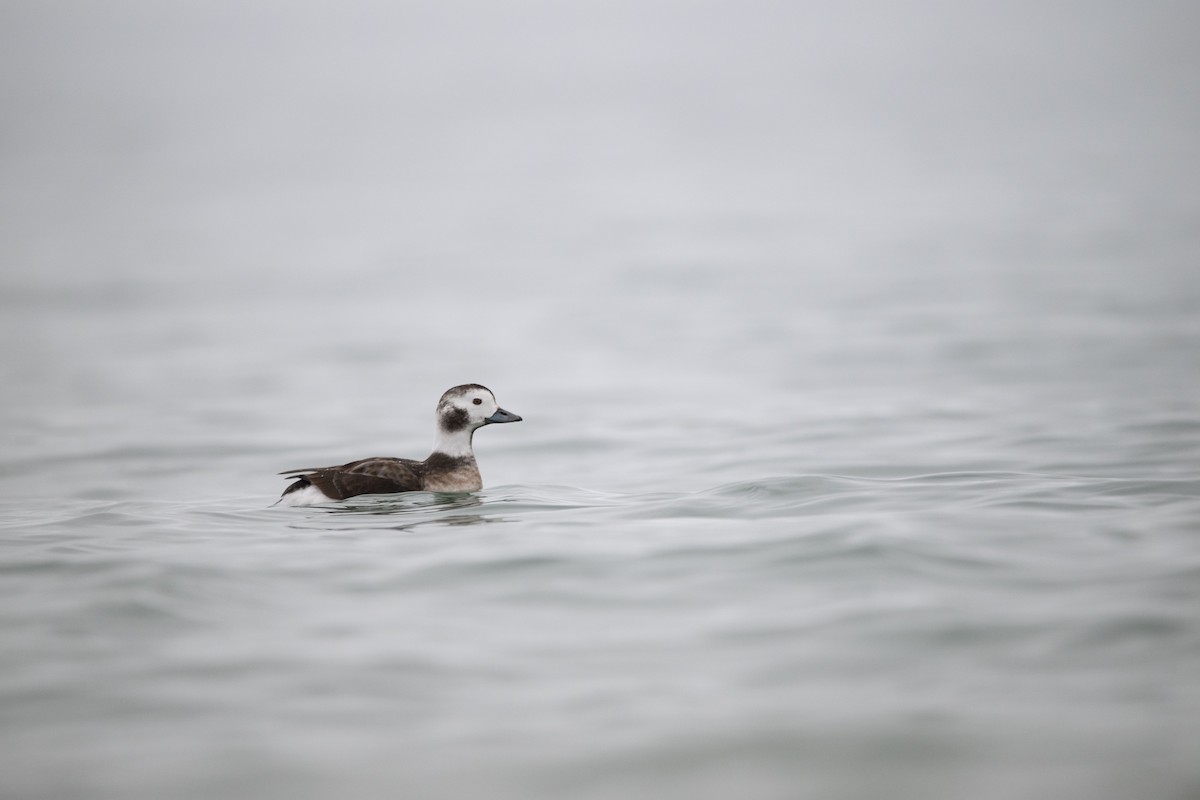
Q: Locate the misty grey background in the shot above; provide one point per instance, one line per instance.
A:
(856, 346)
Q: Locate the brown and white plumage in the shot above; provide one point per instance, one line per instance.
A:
(450, 467)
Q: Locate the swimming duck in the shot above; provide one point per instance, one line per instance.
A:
(450, 467)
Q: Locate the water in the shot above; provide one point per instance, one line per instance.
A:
(856, 351)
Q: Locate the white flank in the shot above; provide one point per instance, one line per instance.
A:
(309, 495)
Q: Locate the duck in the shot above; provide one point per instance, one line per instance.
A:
(450, 467)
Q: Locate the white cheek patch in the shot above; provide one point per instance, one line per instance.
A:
(480, 413)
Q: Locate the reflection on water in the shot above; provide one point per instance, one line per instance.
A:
(402, 503)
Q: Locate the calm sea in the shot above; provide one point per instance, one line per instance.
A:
(858, 350)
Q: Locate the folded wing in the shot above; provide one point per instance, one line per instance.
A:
(366, 476)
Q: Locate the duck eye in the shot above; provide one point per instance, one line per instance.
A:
(477, 401)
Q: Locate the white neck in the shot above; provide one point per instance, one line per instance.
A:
(457, 444)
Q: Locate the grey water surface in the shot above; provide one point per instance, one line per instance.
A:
(858, 350)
